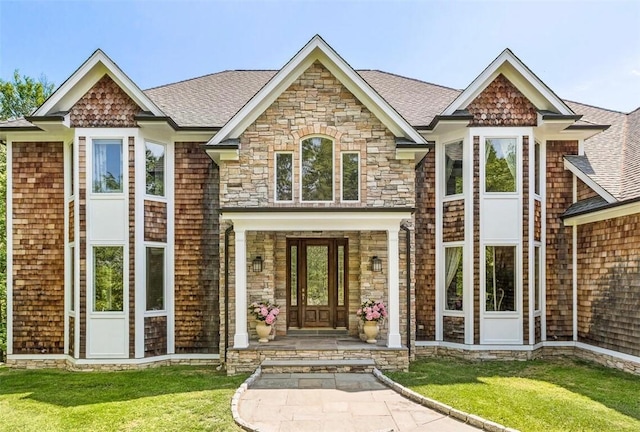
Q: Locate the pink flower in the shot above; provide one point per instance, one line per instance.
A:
(369, 316)
(269, 319)
(376, 315)
(264, 311)
(359, 312)
(376, 307)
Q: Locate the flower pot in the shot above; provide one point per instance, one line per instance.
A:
(371, 331)
(263, 331)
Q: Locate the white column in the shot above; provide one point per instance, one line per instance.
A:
(394, 340)
(241, 338)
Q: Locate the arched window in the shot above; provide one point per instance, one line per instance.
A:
(316, 169)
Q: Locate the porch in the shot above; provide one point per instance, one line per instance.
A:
(302, 353)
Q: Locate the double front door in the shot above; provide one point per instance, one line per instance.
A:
(317, 282)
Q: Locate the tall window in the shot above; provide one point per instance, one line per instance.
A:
(284, 177)
(536, 165)
(108, 278)
(155, 278)
(500, 278)
(453, 275)
(317, 169)
(155, 167)
(350, 176)
(536, 277)
(500, 165)
(107, 165)
(453, 168)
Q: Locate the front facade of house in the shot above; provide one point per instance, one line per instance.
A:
(143, 223)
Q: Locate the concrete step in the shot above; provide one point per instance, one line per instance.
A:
(318, 366)
(320, 332)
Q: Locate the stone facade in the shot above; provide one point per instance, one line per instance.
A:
(38, 266)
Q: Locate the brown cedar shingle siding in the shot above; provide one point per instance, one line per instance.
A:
(425, 233)
(537, 221)
(502, 104)
(82, 216)
(559, 237)
(525, 239)
(155, 221)
(104, 105)
(478, 257)
(132, 247)
(155, 336)
(38, 266)
(196, 250)
(609, 284)
(71, 221)
(584, 191)
(453, 221)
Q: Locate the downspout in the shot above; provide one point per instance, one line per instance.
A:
(227, 232)
(408, 246)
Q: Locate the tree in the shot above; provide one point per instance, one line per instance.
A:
(22, 95)
(17, 98)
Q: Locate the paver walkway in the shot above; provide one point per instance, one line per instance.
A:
(336, 402)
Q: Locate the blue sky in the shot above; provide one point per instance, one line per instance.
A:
(587, 51)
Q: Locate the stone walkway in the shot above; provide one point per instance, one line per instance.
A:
(336, 402)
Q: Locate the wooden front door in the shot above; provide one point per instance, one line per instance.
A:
(317, 278)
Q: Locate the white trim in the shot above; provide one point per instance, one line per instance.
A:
(488, 75)
(607, 213)
(241, 337)
(9, 224)
(139, 257)
(543, 240)
(317, 49)
(531, 234)
(467, 166)
(394, 340)
(342, 154)
(589, 182)
(66, 155)
(439, 187)
(275, 176)
(333, 169)
(97, 59)
(170, 251)
(76, 249)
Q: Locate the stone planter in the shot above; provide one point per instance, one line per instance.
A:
(263, 330)
(371, 331)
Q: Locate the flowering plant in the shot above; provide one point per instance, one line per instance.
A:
(265, 311)
(371, 310)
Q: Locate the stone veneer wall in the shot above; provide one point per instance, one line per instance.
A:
(104, 105)
(197, 316)
(559, 239)
(317, 104)
(609, 284)
(425, 237)
(38, 266)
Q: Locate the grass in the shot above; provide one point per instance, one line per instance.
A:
(157, 399)
(560, 395)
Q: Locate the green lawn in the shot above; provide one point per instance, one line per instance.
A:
(560, 395)
(157, 399)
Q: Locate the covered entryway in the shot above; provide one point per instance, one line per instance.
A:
(317, 283)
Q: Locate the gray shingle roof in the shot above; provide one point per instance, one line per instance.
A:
(585, 206)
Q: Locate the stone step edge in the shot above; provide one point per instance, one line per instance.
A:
(303, 362)
(471, 419)
(235, 401)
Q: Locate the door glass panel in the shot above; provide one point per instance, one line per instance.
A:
(340, 275)
(294, 275)
(317, 275)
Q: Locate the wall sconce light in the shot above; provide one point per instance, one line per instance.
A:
(257, 264)
(376, 264)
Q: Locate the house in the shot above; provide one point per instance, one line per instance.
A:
(495, 222)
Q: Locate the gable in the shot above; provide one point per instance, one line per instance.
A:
(104, 105)
(502, 104)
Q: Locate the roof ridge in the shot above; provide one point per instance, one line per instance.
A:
(208, 75)
(409, 78)
(597, 107)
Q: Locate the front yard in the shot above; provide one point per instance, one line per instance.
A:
(157, 399)
(560, 395)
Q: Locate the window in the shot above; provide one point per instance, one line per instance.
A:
(453, 271)
(107, 165)
(536, 167)
(350, 176)
(317, 169)
(536, 277)
(108, 278)
(500, 165)
(453, 168)
(500, 278)
(284, 177)
(72, 291)
(155, 278)
(154, 156)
